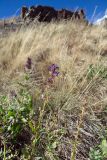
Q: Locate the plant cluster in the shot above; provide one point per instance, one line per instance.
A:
(23, 134)
(100, 152)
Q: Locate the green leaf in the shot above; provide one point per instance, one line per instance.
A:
(103, 147)
(54, 145)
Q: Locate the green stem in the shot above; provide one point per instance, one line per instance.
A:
(4, 151)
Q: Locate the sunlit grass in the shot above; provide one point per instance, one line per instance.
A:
(69, 110)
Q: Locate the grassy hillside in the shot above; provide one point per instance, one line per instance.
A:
(60, 116)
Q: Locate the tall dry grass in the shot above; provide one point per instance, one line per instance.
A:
(79, 98)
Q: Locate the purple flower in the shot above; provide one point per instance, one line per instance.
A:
(28, 64)
(53, 67)
(55, 73)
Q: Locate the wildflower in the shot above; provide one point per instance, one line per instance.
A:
(55, 73)
(28, 64)
(53, 70)
(53, 67)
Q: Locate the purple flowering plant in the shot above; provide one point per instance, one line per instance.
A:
(54, 71)
(53, 67)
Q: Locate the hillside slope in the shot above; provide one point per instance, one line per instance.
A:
(77, 96)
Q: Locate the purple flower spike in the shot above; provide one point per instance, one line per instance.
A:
(53, 67)
(54, 74)
(28, 64)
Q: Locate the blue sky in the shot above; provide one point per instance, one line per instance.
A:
(10, 7)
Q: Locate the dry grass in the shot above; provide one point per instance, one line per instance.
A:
(78, 100)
